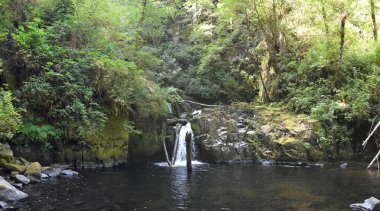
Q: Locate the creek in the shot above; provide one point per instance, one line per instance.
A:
(208, 187)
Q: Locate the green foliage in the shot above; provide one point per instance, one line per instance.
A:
(329, 137)
(172, 95)
(10, 120)
(148, 99)
(73, 64)
(249, 124)
(72, 71)
(320, 60)
(33, 44)
(303, 100)
(130, 127)
(42, 134)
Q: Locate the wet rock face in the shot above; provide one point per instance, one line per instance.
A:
(220, 136)
(235, 134)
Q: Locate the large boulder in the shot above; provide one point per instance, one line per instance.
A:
(33, 171)
(10, 193)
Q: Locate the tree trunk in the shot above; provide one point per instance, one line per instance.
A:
(194, 8)
(324, 15)
(266, 95)
(163, 135)
(176, 26)
(176, 32)
(373, 16)
(342, 35)
(282, 42)
(188, 152)
(143, 12)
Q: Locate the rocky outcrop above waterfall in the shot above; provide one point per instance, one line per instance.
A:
(245, 133)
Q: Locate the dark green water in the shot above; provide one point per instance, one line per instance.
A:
(208, 187)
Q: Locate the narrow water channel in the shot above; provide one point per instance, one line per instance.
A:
(208, 187)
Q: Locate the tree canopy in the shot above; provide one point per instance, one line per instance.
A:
(72, 64)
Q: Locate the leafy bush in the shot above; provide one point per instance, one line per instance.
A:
(304, 99)
(41, 134)
(10, 120)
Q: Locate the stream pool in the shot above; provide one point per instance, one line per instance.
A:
(208, 187)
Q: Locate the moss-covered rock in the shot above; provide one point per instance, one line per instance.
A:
(14, 167)
(34, 170)
(2, 161)
(6, 153)
(113, 141)
(23, 161)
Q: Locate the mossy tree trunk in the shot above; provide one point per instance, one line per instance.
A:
(373, 16)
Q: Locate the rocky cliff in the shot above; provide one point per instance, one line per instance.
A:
(246, 133)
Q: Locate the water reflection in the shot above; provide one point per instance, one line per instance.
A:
(180, 186)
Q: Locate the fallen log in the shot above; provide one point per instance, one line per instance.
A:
(369, 136)
(376, 158)
(201, 104)
(175, 121)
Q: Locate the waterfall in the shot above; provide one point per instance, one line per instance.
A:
(181, 151)
(170, 108)
(180, 158)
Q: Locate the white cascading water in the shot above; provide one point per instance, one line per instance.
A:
(170, 108)
(181, 152)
